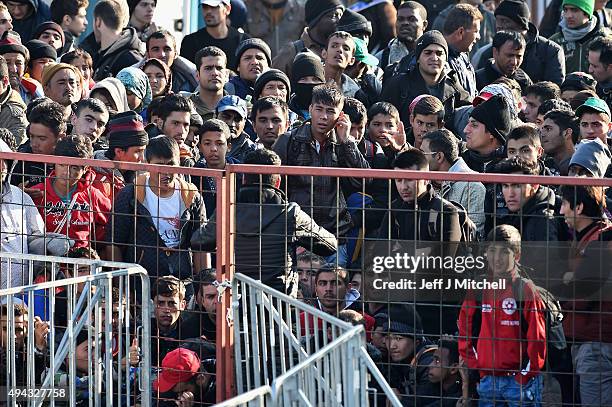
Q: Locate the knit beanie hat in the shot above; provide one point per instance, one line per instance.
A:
(12, 44)
(250, 43)
(592, 155)
(495, 115)
(588, 6)
(515, 10)
(430, 37)
(49, 25)
(403, 320)
(354, 23)
(578, 81)
(306, 64)
(40, 49)
(127, 130)
(50, 70)
(270, 75)
(315, 9)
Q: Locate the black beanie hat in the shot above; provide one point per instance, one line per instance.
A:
(250, 43)
(354, 23)
(402, 320)
(270, 75)
(315, 9)
(40, 49)
(307, 64)
(515, 10)
(430, 37)
(127, 130)
(578, 81)
(495, 115)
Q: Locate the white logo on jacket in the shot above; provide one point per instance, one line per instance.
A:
(509, 306)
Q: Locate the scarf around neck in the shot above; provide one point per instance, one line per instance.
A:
(572, 35)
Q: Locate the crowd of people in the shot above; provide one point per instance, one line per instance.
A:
(449, 86)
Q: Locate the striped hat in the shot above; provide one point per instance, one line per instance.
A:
(127, 130)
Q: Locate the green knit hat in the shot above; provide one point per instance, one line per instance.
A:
(588, 6)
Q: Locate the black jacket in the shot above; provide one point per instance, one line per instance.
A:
(27, 26)
(536, 220)
(124, 52)
(401, 90)
(544, 60)
(268, 229)
(163, 343)
(183, 76)
(489, 74)
(328, 206)
(466, 74)
(132, 230)
(480, 163)
(401, 222)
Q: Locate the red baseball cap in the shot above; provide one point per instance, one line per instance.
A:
(178, 366)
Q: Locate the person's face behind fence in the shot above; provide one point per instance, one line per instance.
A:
(168, 309)
(330, 290)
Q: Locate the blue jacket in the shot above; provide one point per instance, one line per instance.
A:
(27, 26)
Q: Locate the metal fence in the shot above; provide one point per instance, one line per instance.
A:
(288, 352)
(82, 339)
(263, 328)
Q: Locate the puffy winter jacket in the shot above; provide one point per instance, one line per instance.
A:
(328, 205)
(577, 53)
(268, 229)
(489, 74)
(12, 114)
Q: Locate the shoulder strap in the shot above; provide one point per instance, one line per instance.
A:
(518, 289)
(420, 353)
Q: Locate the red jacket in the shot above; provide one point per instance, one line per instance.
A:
(500, 350)
(89, 214)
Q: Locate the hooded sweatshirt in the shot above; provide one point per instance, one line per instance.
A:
(27, 26)
(18, 220)
(87, 210)
(126, 51)
(117, 92)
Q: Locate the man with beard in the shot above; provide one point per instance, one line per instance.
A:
(558, 137)
(211, 65)
(254, 58)
(322, 17)
(12, 109)
(410, 25)
(17, 57)
(62, 84)
(217, 32)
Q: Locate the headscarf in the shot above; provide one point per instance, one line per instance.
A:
(116, 91)
(136, 81)
(161, 65)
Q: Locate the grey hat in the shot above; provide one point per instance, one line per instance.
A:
(402, 320)
(592, 155)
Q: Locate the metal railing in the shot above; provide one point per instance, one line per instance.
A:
(97, 310)
(287, 351)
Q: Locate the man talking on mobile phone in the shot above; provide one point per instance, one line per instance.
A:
(325, 141)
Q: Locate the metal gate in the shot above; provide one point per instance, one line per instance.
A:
(79, 339)
(290, 353)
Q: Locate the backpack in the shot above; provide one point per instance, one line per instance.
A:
(553, 313)
(469, 231)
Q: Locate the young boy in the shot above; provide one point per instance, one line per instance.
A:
(270, 117)
(89, 119)
(214, 144)
(509, 355)
(359, 117)
(67, 202)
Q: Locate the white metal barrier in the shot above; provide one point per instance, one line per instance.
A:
(290, 353)
(93, 342)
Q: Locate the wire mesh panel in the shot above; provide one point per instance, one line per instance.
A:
(78, 340)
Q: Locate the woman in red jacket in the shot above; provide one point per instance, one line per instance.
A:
(69, 204)
(511, 347)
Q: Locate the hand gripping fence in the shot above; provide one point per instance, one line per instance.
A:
(51, 375)
(290, 353)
